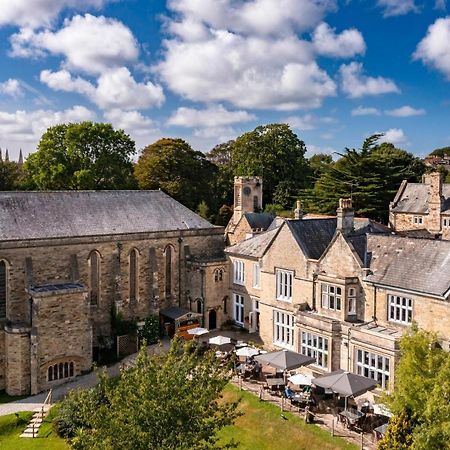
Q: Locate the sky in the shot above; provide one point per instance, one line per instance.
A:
(207, 71)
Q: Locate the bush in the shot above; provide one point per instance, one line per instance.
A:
(150, 331)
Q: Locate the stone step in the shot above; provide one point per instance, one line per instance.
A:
(36, 420)
(29, 432)
(46, 408)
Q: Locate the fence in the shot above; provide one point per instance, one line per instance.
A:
(127, 345)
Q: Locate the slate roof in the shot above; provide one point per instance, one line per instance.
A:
(420, 265)
(41, 215)
(260, 221)
(254, 247)
(414, 199)
(313, 235)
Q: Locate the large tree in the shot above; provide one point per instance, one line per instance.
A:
(10, 176)
(371, 176)
(277, 154)
(421, 398)
(165, 402)
(173, 166)
(82, 155)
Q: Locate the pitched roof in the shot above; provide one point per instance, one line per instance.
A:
(259, 221)
(313, 235)
(414, 199)
(419, 265)
(254, 247)
(41, 215)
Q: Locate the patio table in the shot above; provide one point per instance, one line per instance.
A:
(275, 382)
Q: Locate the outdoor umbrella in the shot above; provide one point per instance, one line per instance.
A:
(284, 359)
(197, 331)
(219, 340)
(300, 379)
(247, 351)
(346, 384)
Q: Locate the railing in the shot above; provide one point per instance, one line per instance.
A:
(47, 401)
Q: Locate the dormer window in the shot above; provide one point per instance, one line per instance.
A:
(351, 299)
(331, 297)
(418, 220)
(446, 222)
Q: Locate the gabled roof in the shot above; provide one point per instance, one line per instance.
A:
(313, 235)
(254, 247)
(419, 265)
(414, 199)
(42, 215)
(260, 221)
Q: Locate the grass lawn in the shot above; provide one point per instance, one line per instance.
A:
(262, 428)
(11, 428)
(5, 398)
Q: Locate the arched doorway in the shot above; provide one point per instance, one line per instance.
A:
(212, 319)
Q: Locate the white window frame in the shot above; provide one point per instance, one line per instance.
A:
(315, 346)
(446, 222)
(283, 329)
(400, 309)
(330, 292)
(238, 309)
(374, 366)
(256, 276)
(351, 299)
(418, 220)
(238, 271)
(284, 280)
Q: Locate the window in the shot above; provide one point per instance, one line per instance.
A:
(331, 296)
(446, 222)
(283, 329)
(255, 203)
(418, 220)
(3, 289)
(256, 275)
(373, 366)
(225, 304)
(316, 347)
(134, 271)
(168, 270)
(218, 275)
(238, 267)
(238, 309)
(351, 297)
(60, 371)
(399, 309)
(284, 285)
(94, 277)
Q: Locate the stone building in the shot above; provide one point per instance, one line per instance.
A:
(340, 289)
(247, 219)
(422, 209)
(67, 259)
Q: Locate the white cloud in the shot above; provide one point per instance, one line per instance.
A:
(11, 87)
(394, 136)
(397, 7)
(434, 48)
(365, 111)
(87, 43)
(213, 116)
(40, 12)
(24, 128)
(246, 53)
(405, 111)
(115, 89)
(303, 123)
(312, 149)
(355, 84)
(344, 45)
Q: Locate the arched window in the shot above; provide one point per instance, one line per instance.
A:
(55, 372)
(225, 304)
(199, 306)
(220, 274)
(3, 288)
(71, 369)
(168, 269)
(60, 371)
(66, 370)
(94, 277)
(255, 203)
(134, 270)
(50, 373)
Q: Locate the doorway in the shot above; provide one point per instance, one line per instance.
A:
(212, 319)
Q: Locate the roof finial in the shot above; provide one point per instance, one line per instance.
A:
(20, 161)
(6, 155)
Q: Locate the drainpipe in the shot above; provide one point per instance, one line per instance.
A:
(180, 240)
(314, 291)
(202, 292)
(374, 317)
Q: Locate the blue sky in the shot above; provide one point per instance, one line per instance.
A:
(209, 70)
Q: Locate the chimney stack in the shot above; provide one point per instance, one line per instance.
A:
(298, 212)
(345, 216)
(434, 182)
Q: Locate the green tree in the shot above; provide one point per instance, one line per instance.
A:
(224, 215)
(318, 164)
(444, 151)
(203, 210)
(10, 176)
(82, 156)
(371, 176)
(421, 397)
(276, 153)
(164, 402)
(173, 166)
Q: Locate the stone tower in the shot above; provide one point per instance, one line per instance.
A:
(247, 196)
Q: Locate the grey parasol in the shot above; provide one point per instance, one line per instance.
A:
(284, 359)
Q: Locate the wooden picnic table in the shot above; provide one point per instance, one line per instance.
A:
(275, 382)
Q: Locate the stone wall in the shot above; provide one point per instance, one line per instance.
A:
(17, 346)
(2, 360)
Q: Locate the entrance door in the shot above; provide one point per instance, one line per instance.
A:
(212, 319)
